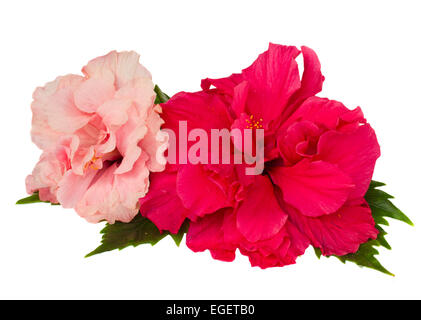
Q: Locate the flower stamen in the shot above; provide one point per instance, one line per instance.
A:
(92, 163)
(253, 123)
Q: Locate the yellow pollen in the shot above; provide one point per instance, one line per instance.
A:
(254, 124)
(91, 163)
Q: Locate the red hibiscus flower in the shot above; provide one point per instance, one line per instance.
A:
(319, 160)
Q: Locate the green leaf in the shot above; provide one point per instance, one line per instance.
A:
(138, 231)
(376, 184)
(178, 237)
(381, 208)
(34, 198)
(381, 238)
(121, 235)
(161, 97)
(318, 252)
(365, 257)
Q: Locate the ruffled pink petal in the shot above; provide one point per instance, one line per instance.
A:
(315, 188)
(42, 134)
(108, 145)
(339, 233)
(155, 142)
(115, 112)
(122, 68)
(92, 93)
(72, 187)
(55, 111)
(259, 216)
(46, 176)
(161, 204)
(128, 138)
(131, 186)
(100, 198)
(355, 153)
(114, 197)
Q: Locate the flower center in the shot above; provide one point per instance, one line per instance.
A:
(92, 163)
(253, 123)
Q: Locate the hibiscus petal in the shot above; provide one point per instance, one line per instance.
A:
(315, 188)
(195, 108)
(240, 98)
(311, 82)
(155, 141)
(206, 234)
(224, 85)
(100, 199)
(273, 79)
(42, 134)
(324, 113)
(46, 175)
(223, 255)
(202, 191)
(259, 216)
(133, 184)
(114, 197)
(162, 205)
(118, 67)
(128, 137)
(296, 141)
(62, 114)
(339, 233)
(355, 153)
(115, 112)
(281, 249)
(92, 93)
(72, 187)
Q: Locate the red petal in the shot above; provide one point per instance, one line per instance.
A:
(311, 82)
(315, 188)
(355, 153)
(273, 78)
(202, 191)
(161, 204)
(324, 113)
(259, 216)
(339, 233)
(224, 85)
(283, 249)
(195, 108)
(298, 141)
(206, 233)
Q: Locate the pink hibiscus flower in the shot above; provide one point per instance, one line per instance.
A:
(100, 135)
(319, 160)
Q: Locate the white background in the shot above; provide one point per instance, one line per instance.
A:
(370, 53)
